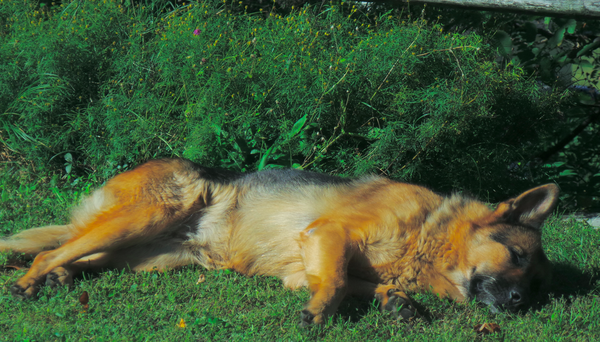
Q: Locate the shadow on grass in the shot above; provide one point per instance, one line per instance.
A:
(568, 280)
(355, 308)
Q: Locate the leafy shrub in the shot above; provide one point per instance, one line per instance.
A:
(559, 52)
(108, 86)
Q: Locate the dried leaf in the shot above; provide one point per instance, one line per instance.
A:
(84, 299)
(201, 279)
(486, 328)
(181, 323)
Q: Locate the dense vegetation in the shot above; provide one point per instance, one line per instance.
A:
(103, 88)
(91, 88)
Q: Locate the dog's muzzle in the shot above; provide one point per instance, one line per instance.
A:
(498, 293)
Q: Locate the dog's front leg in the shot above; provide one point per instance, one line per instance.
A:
(391, 299)
(326, 250)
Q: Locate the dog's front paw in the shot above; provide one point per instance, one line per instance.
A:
(396, 303)
(399, 306)
(59, 276)
(23, 293)
(306, 318)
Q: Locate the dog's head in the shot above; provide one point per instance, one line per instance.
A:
(505, 263)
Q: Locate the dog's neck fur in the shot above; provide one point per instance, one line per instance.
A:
(440, 246)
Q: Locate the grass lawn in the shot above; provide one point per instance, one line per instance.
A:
(174, 306)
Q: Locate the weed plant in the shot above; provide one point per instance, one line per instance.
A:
(102, 85)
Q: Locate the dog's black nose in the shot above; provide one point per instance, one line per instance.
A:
(516, 298)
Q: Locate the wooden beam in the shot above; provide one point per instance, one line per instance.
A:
(572, 8)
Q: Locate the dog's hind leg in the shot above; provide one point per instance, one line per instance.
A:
(139, 207)
(108, 232)
(35, 240)
(157, 256)
(326, 250)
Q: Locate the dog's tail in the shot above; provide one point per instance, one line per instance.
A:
(35, 240)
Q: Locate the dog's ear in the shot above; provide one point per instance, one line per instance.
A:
(531, 208)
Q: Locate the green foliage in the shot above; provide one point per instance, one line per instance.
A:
(558, 52)
(109, 85)
(564, 52)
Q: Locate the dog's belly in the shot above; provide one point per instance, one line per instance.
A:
(265, 237)
(259, 234)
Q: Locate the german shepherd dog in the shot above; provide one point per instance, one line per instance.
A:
(369, 236)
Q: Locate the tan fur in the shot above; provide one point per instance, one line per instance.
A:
(369, 237)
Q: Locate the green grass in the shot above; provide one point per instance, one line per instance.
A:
(229, 306)
(90, 88)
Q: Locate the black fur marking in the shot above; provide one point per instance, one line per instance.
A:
(501, 237)
(217, 175)
(504, 236)
(291, 178)
(518, 258)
